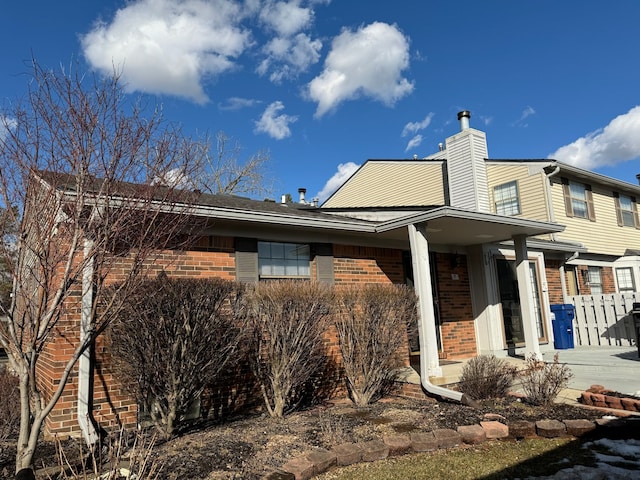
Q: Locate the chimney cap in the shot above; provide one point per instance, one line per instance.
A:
(464, 113)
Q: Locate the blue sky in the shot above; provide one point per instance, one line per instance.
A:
(325, 85)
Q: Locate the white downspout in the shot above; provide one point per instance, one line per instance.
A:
(429, 363)
(84, 362)
(548, 197)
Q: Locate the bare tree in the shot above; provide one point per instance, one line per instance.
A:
(78, 170)
(372, 330)
(224, 173)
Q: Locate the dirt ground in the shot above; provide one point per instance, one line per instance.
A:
(246, 447)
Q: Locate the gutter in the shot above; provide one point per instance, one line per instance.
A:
(85, 418)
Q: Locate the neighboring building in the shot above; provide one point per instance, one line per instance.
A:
(598, 251)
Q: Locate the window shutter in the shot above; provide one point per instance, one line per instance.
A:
(246, 260)
(634, 204)
(323, 253)
(591, 211)
(567, 197)
(616, 200)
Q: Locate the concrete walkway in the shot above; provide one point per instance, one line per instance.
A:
(616, 368)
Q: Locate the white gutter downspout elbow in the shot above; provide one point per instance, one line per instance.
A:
(85, 419)
(426, 319)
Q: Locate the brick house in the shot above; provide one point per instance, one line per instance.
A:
(438, 249)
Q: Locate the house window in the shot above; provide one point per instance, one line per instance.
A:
(578, 200)
(283, 260)
(594, 277)
(506, 199)
(624, 277)
(626, 210)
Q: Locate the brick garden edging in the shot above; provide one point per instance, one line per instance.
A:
(318, 461)
(598, 396)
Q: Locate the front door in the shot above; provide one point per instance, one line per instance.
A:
(510, 300)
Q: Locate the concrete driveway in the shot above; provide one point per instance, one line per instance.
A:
(616, 368)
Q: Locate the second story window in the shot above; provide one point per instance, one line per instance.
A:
(578, 200)
(626, 210)
(283, 260)
(505, 199)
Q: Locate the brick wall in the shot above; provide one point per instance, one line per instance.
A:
(354, 265)
(456, 312)
(552, 272)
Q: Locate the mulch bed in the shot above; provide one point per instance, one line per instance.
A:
(246, 447)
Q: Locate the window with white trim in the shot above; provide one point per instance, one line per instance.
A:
(506, 199)
(594, 277)
(283, 260)
(624, 277)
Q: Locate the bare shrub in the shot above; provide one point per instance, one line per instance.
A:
(9, 404)
(288, 319)
(486, 376)
(172, 339)
(122, 456)
(372, 329)
(542, 381)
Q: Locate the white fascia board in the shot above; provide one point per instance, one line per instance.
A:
(598, 178)
(282, 219)
(339, 223)
(453, 212)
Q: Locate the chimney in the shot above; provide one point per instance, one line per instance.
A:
(638, 178)
(302, 192)
(466, 168)
(464, 117)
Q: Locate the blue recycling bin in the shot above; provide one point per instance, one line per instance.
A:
(563, 325)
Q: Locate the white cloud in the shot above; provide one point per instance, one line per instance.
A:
(286, 18)
(412, 128)
(168, 47)
(291, 51)
(287, 57)
(238, 103)
(619, 141)
(345, 170)
(526, 113)
(416, 141)
(6, 124)
(274, 125)
(368, 62)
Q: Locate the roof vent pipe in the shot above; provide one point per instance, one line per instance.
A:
(638, 177)
(440, 147)
(464, 117)
(283, 199)
(302, 192)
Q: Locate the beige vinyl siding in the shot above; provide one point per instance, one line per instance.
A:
(604, 235)
(530, 188)
(381, 183)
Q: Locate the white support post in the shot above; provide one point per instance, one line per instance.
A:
(525, 289)
(429, 361)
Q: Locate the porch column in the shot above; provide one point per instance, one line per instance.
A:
(429, 361)
(532, 346)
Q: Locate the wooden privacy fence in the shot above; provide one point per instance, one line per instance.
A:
(604, 319)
